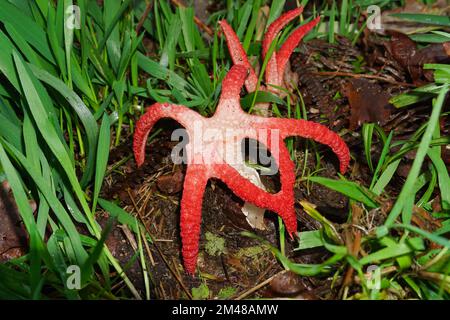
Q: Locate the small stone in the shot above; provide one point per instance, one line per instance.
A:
(286, 284)
(171, 183)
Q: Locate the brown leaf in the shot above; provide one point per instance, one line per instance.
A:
(434, 53)
(402, 48)
(171, 183)
(405, 52)
(368, 102)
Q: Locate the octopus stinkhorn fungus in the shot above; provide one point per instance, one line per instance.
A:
(216, 141)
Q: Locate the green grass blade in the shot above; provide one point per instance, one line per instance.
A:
(416, 95)
(55, 204)
(83, 112)
(394, 251)
(102, 158)
(377, 189)
(88, 268)
(367, 134)
(243, 17)
(113, 43)
(331, 23)
(348, 188)
(343, 29)
(310, 239)
(54, 42)
(261, 96)
(156, 70)
(435, 238)
(6, 61)
(33, 91)
(29, 29)
(417, 164)
(113, 23)
(26, 49)
(122, 216)
(301, 269)
(425, 18)
(443, 176)
(168, 53)
(68, 41)
(252, 25)
(10, 132)
(37, 249)
(276, 9)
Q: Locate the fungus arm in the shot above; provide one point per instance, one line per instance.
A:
(155, 112)
(310, 130)
(195, 182)
(291, 43)
(272, 75)
(319, 133)
(238, 55)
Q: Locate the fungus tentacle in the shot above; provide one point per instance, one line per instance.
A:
(317, 132)
(284, 53)
(272, 75)
(276, 26)
(280, 202)
(244, 188)
(156, 112)
(287, 180)
(233, 83)
(194, 186)
(238, 54)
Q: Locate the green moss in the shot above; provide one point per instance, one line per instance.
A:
(226, 292)
(201, 292)
(215, 245)
(250, 252)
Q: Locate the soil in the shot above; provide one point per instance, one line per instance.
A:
(13, 236)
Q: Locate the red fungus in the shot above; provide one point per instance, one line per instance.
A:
(210, 157)
(208, 162)
(278, 60)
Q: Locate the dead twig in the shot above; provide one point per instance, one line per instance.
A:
(144, 16)
(353, 240)
(357, 75)
(129, 237)
(197, 21)
(265, 272)
(147, 248)
(163, 257)
(259, 286)
(175, 274)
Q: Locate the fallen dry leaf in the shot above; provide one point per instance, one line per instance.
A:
(405, 52)
(171, 183)
(368, 102)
